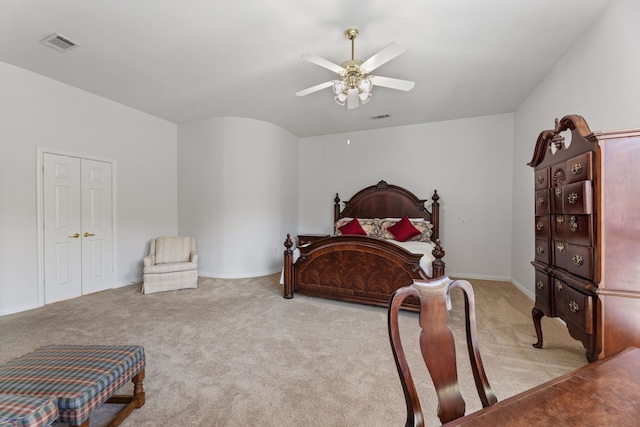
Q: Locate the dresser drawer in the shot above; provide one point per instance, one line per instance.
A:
(542, 227)
(579, 168)
(542, 202)
(578, 308)
(542, 251)
(543, 292)
(559, 227)
(560, 254)
(578, 198)
(542, 179)
(580, 229)
(557, 200)
(580, 260)
(559, 297)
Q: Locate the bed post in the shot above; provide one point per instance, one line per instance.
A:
(437, 266)
(288, 268)
(336, 209)
(435, 216)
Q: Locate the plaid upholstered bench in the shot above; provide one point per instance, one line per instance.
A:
(80, 377)
(27, 411)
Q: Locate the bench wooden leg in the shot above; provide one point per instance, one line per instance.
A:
(132, 401)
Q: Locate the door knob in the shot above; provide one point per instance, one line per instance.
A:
(88, 234)
(75, 236)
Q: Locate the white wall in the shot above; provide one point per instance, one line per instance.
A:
(598, 78)
(39, 112)
(468, 161)
(237, 187)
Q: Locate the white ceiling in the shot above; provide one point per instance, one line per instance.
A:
(193, 59)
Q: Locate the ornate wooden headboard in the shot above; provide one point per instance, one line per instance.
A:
(389, 201)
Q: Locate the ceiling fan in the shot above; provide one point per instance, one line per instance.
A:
(355, 83)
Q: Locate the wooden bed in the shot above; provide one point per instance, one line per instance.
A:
(363, 269)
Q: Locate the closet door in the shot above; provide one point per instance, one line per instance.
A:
(78, 227)
(97, 248)
(62, 227)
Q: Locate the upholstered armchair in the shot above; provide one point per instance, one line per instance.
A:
(172, 264)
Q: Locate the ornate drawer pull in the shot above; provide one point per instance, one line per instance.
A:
(573, 198)
(559, 219)
(539, 226)
(574, 224)
(540, 201)
(540, 249)
(559, 285)
(574, 307)
(558, 192)
(578, 260)
(576, 169)
(540, 284)
(560, 246)
(540, 179)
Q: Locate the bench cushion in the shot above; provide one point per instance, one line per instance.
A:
(19, 411)
(81, 377)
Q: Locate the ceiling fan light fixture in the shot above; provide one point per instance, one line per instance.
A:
(364, 97)
(365, 85)
(341, 98)
(355, 84)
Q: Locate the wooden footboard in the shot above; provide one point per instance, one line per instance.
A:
(353, 268)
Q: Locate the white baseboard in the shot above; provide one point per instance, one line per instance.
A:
(14, 310)
(477, 276)
(239, 275)
(524, 290)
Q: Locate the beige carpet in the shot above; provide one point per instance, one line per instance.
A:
(234, 352)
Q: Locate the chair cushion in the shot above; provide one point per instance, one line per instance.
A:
(173, 249)
(81, 377)
(18, 411)
(170, 267)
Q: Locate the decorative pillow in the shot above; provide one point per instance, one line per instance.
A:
(352, 227)
(340, 223)
(425, 227)
(426, 230)
(371, 226)
(403, 230)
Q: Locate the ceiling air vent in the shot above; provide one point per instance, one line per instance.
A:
(381, 116)
(58, 42)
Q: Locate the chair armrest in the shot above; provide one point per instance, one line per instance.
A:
(194, 257)
(149, 260)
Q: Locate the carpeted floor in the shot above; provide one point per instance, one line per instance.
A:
(234, 352)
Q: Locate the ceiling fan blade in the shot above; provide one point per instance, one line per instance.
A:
(315, 59)
(392, 83)
(314, 88)
(392, 50)
(352, 99)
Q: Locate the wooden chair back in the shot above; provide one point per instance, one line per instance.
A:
(438, 348)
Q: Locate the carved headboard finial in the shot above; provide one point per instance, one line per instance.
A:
(382, 184)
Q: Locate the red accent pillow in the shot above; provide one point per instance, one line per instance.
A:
(353, 227)
(403, 230)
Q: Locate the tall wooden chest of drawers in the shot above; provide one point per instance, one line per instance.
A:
(587, 234)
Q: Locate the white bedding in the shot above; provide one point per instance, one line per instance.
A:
(424, 248)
